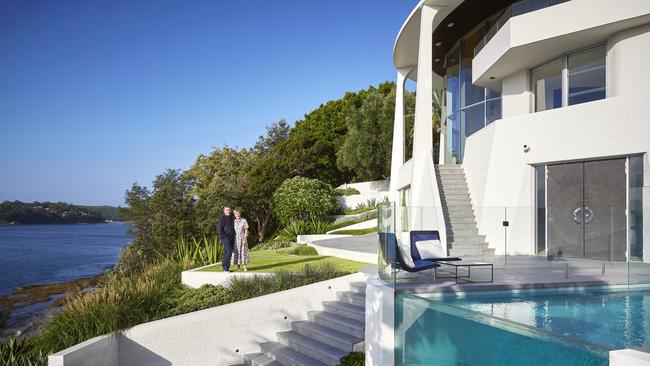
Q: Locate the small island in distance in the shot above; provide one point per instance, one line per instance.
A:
(25, 213)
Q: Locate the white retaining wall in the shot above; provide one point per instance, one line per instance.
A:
(196, 278)
(215, 336)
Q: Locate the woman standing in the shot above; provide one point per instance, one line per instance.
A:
(240, 250)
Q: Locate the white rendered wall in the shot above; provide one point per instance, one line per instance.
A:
(217, 336)
(628, 62)
(515, 96)
(380, 323)
(499, 172)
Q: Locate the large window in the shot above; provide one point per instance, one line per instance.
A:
(468, 107)
(547, 85)
(574, 78)
(586, 75)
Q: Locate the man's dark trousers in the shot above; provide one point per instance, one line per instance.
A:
(227, 254)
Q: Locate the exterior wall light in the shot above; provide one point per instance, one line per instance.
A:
(450, 24)
(437, 44)
(526, 148)
(437, 59)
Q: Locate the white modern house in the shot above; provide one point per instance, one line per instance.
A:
(546, 110)
(541, 160)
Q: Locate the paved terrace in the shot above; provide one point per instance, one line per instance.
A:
(522, 272)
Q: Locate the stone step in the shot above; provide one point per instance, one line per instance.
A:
(358, 286)
(460, 220)
(446, 191)
(479, 253)
(345, 309)
(327, 335)
(287, 356)
(457, 205)
(452, 176)
(458, 213)
(466, 238)
(474, 246)
(311, 347)
(342, 324)
(260, 359)
(351, 297)
(441, 167)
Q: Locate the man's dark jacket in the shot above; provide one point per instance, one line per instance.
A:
(226, 228)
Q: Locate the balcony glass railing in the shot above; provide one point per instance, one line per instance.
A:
(518, 8)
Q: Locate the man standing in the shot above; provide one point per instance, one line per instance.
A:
(226, 227)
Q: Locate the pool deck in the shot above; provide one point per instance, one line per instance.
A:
(531, 272)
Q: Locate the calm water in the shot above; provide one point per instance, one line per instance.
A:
(38, 254)
(533, 329)
(613, 320)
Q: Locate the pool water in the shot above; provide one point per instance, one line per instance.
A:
(541, 327)
(615, 320)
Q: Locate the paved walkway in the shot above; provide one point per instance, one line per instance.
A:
(358, 243)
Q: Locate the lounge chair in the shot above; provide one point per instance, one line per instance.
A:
(418, 263)
(436, 253)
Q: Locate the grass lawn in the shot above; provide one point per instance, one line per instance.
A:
(356, 231)
(271, 261)
(359, 210)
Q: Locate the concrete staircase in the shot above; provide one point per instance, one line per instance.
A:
(322, 340)
(463, 239)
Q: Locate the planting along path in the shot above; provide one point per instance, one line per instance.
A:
(322, 339)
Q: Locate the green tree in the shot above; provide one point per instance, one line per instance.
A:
(301, 198)
(368, 142)
(157, 218)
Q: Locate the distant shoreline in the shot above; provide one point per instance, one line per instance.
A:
(62, 223)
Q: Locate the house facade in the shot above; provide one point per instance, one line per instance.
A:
(546, 111)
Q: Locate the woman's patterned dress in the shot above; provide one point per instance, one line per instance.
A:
(240, 250)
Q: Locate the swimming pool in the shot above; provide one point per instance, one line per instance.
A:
(536, 327)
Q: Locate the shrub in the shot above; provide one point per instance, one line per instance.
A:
(303, 199)
(21, 353)
(242, 288)
(201, 298)
(371, 202)
(299, 250)
(122, 302)
(202, 252)
(349, 191)
(361, 206)
(275, 244)
(317, 226)
(353, 359)
(295, 228)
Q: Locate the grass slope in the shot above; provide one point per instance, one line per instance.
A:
(355, 231)
(275, 260)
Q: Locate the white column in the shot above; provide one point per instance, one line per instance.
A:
(425, 198)
(442, 149)
(397, 154)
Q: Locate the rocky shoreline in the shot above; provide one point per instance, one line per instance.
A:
(29, 309)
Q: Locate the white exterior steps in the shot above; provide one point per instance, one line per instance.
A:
(463, 239)
(321, 340)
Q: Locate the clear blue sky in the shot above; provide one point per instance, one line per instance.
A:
(97, 95)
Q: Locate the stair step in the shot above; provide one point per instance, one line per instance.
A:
(448, 167)
(340, 323)
(351, 297)
(340, 340)
(345, 309)
(458, 213)
(473, 246)
(287, 356)
(358, 286)
(465, 253)
(455, 176)
(457, 205)
(260, 359)
(460, 220)
(466, 239)
(311, 347)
